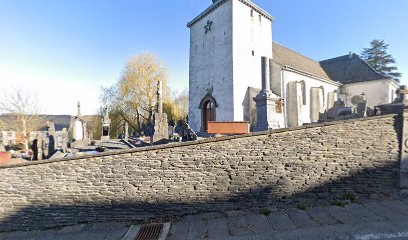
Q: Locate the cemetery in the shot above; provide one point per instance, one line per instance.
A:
(68, 136)
(263, 126)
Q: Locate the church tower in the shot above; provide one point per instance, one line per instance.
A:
(227, 43)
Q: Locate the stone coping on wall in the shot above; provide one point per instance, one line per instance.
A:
(202, 141)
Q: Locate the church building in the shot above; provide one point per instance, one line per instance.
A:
(237, 73)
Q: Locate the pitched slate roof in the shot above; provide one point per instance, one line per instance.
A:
(350, 68)
(60, 121)
(287, 57)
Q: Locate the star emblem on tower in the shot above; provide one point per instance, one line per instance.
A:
(208, 26)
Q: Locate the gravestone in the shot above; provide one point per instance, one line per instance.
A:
(126, 131)
(46, 148)
(333, 112)
(52, 138)
(64, 140)
(171, 126)
(361, 109)
(106, 122)
(403, 175)
(34, 148)
(144, 130)
(39, 148)
(339, 111)
(79, 130)
(90, 136)
(397, 106)
(161, 127)
(331, 98)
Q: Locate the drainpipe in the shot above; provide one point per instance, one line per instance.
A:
(282, 96)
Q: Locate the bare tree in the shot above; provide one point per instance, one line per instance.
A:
(182, 104)
(21, 114)
(1, 125)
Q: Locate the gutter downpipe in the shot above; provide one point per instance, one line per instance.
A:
(282, 95)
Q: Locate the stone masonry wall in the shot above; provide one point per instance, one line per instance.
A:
(311, 162)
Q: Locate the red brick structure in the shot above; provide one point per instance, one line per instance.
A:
(232, 128)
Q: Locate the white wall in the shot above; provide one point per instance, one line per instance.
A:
(249, 34)
(289, 76)
(377, 92)
(211, 65)
(8, 137)
(223, 59)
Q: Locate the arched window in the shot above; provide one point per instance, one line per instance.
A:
(303, 88)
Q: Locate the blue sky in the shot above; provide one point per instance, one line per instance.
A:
(66, 50)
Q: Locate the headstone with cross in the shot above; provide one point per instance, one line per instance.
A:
(361, 109)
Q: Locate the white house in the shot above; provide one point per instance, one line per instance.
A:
(233, 62)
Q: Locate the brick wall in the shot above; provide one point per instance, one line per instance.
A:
(311, 162)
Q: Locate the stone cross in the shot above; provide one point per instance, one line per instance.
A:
(161, 130)
(126, 131)
(79, 109)
(160, 96)
(64, 140)
(106, 115)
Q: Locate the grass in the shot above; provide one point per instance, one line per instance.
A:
(352, 198)
(266, 212)
(301, 206)
(338, 203)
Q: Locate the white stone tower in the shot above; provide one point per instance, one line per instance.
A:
(227, 43)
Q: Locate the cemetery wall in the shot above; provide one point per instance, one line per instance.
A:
(310, 163)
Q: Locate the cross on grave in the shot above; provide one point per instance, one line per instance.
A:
(208, 26)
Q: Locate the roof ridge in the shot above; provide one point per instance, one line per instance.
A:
(218, 3)
(369, 65)
(295, 52)
(336, 58)
(355, 55)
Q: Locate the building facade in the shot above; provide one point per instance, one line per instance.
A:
(233, 59)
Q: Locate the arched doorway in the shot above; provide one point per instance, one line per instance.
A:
(208, 112)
